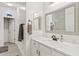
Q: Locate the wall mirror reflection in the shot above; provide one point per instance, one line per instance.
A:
(37, 23)
(59, 21)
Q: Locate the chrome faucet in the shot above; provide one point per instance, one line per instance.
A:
(54, 38)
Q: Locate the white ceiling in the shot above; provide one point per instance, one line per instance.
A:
(24, 3)
(15, 3)
(51, 2)
(21, 3)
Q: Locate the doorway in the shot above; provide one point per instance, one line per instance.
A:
(9, 34)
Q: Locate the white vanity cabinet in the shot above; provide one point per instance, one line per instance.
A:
(39, 49)
(34, 48)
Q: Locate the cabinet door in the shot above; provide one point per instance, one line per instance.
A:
(44, 50)
(34, 48)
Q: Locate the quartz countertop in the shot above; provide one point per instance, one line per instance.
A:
(63, 47)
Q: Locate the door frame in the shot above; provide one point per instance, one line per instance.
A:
(14, 28)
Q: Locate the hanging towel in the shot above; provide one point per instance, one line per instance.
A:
(21, 33)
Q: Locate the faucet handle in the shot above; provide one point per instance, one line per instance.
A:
(61, 35)
(61, 39)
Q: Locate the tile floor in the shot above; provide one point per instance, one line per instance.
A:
(12, 50)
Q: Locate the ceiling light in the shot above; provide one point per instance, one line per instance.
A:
(9, 4)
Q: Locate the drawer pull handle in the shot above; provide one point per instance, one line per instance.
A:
(37, 51)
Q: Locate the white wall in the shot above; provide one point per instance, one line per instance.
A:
(1, 27)
(41, 9)
(2, 11)
(21, 18)
(31, 8)
(2, 14)
(19, 15)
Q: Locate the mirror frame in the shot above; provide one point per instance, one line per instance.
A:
(75, 26)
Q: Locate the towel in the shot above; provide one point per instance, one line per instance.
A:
(21, 33)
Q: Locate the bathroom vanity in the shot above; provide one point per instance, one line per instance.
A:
(64, 20)
(41, 46)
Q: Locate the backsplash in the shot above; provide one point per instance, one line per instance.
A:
(67, 38)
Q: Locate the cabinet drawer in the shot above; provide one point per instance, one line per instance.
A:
(34, 48)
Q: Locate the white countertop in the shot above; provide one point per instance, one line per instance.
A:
(63, 47)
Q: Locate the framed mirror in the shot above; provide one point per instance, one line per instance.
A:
(55, 21)
(64, 21)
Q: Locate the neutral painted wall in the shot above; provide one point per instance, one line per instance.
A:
(21, 18)
(2, 14)
(1, 27)
(31, 8)
(41, 9)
